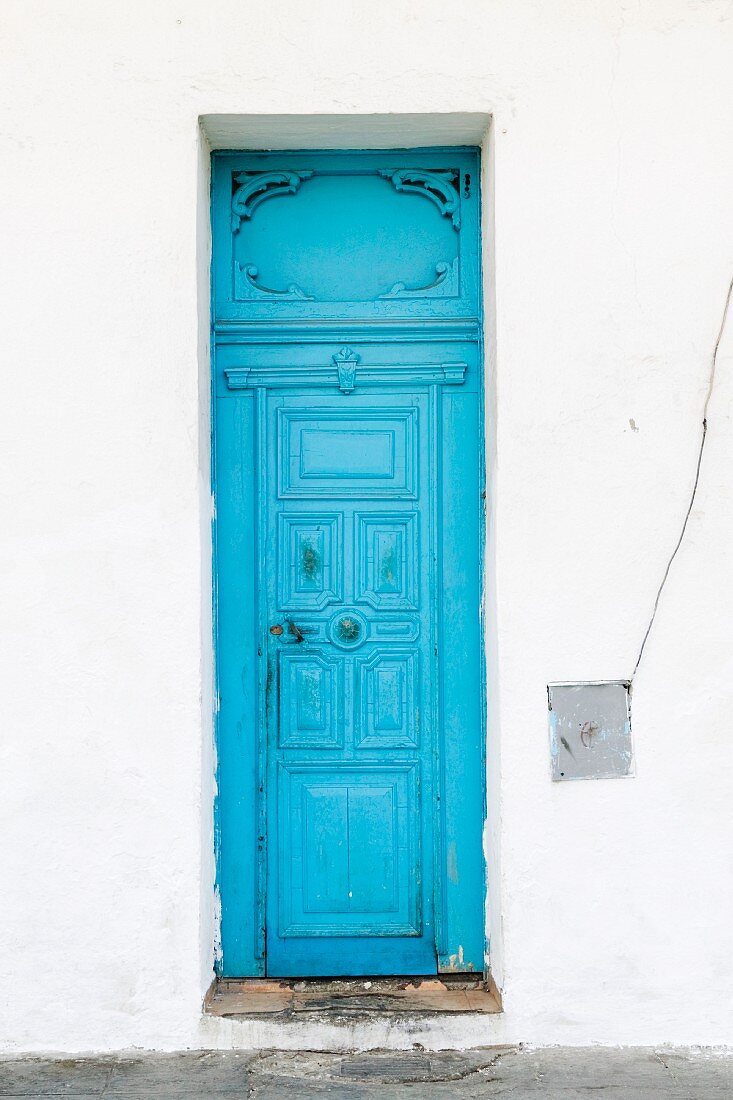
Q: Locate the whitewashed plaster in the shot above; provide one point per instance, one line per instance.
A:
(608, 250)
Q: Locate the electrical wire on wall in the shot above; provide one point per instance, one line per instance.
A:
(703, 436)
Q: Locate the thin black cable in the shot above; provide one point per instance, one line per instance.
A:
(708, 395)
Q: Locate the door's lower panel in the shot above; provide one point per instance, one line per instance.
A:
(349, 853)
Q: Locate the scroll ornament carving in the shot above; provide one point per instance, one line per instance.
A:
(249, 289)
(444, 286)
(253, 190)
(440, 187)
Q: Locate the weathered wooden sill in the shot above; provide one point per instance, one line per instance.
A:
(350, 997)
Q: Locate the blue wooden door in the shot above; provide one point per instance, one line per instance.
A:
(348, 480)
(350, 731)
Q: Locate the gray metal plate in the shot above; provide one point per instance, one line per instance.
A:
(590, 730)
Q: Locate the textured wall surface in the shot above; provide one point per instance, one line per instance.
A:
(609, 170)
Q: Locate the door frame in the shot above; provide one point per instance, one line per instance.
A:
(229, 896)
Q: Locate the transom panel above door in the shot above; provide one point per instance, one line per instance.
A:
(338, 237)
(348, 502)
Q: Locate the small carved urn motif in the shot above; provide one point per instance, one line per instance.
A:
(346, 361)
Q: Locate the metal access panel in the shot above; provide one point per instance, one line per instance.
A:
(590, 730)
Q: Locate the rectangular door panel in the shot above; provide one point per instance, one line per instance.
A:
(386, 559)
(349, 854)
(310, 560)
(311, 701)
(369, 453)
(388, 700)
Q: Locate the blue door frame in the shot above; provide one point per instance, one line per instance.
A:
(348, 478)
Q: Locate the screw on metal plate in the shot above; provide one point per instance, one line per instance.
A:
(590, 730)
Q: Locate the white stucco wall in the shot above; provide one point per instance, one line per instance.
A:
(611, 250)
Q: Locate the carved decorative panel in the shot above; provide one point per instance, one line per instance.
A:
(346, 238)
(388, 714)
(311, 701)
(310, 560)
(387, 560)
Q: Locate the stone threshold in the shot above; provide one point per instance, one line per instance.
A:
(353, 997)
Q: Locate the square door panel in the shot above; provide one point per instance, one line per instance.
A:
(349, 850)
(310, 560)
(387, 560)
(388, 694)
(368, 453)
(311, 702)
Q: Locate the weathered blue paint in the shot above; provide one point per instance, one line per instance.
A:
(348, 534)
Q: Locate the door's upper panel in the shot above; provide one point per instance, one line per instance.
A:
(384, 235)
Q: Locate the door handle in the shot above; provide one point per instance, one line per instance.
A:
(293, 629)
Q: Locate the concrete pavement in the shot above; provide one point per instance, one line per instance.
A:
(552, 1074)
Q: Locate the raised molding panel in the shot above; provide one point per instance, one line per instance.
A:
(388, 690)
(310, 560)
(349, 850)
(311, 701)
(369, 452)
(440, 187)
(387, 560)
(397, 630)
(254, 189)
